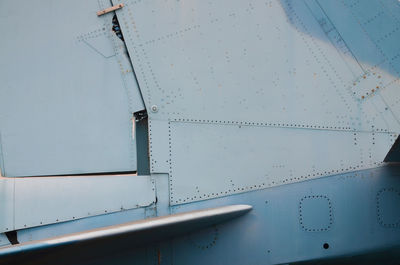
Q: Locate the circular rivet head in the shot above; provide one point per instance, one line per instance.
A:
(154, 108)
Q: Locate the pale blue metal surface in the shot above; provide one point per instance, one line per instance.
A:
(66, 100)
(38, 201)
(284, 71)
(354, 213)
(272, 88)
(80, 225)
(231, 158)
(345, 211)
(283, 101)
(3, 240)
(7, 188)
(78, 197)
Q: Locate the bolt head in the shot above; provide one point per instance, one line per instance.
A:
(154, 108)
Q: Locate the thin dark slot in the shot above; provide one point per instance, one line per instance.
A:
(116, 28)
(142, 143)
(85, 174)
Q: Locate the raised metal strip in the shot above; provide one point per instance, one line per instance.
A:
(129, 234)
(110, 9)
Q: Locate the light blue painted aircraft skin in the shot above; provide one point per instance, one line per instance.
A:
(199, 132)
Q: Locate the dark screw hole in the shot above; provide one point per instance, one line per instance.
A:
(326, 245)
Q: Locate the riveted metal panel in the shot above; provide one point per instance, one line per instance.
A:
(209, 65)
(315, 213)
(273, 234)
(6, 204)
(46, 200)
(210, 160)
(320, 74)
(67, 90)
(159, 141)
(387, 199)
